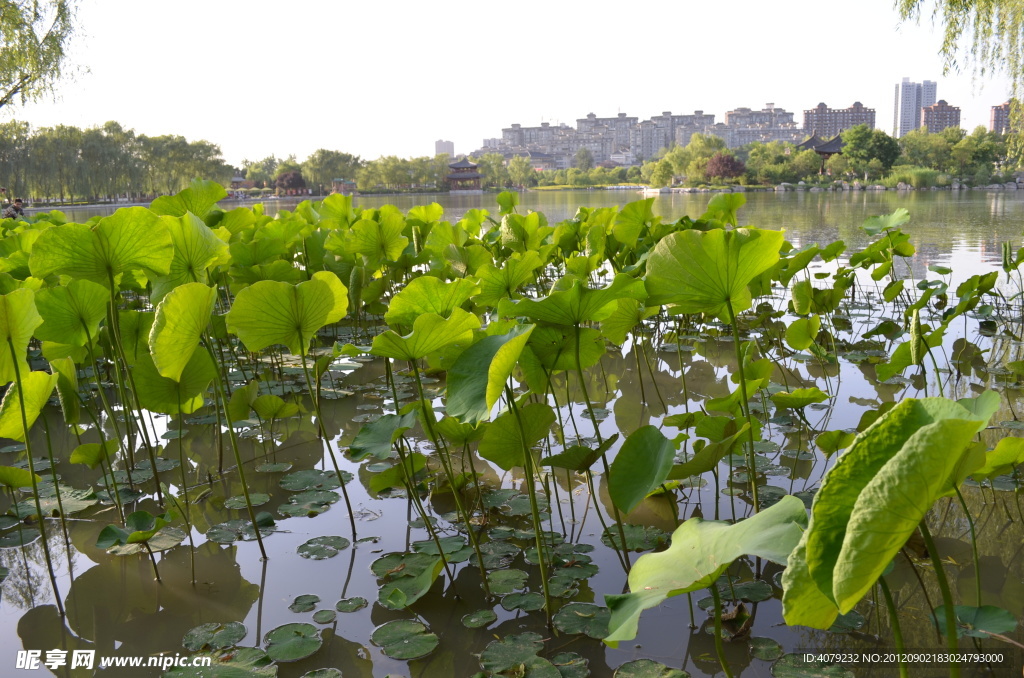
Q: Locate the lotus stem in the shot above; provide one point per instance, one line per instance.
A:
(947, 600)
(719, 648)
(894, 622)
(744, 405)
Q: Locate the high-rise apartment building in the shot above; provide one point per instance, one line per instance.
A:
(828, 122)
(911, 97)
(441, 146)
(939, 116)
(1000, 120)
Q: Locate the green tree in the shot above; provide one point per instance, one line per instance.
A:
(33, 56)
(323, 166)
(520, 171)
(584, 159)
(663, 173)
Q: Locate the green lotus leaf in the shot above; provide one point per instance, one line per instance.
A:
(67, 389)
(269, 407)
(36, 387)
(304, 603)
(428, 294)
(579, 304)
(351, 604)
(15, 478)
(181, 319)
(308, 503)
(161, 394)
(269, 312)
(292, 642)
(378, 242)
(798, 398)
(512, 653)
(18, 320)
(977, 622)
(506, 581)
(700, 552)
(135, 327)
(131, 238)
(313, 479)
(404, 639)
(241, 529)
(479, 375)
(796, 666)
(875, 496)
(802, 332)
(196, 248)
(199, 198)
(630, 221)
(375, 439)
(647, 669)
(430, 333)
(237, 502)
(586, 618)
(71, 314)
(503, 442)
(1007, 455)
(92, 454)
(321, 548)
(641, 465)
(241, 662)
(504, 282)
(527, 601)
(700, 272)
(638, 537)
(214, 636)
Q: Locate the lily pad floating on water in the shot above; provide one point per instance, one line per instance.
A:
(478, 619)
(304, 603)
(847, 623)
(977, 622)
(765, 648)
(26, 535)
(648, 668)
(751, 591)
(238, 501)
(511, 652)
(351, 604)
(292, 642)
(214, 636)
(308, 503)
(528, 601)
(502, 582)
(241, 529)
(313, 479)
(571, 665)
(242, 662)
(322, 673)
(321, 548)
(404, 639)
(324, 616)
(638, 537)
(74, 501)
(586, 618)
(794, 666)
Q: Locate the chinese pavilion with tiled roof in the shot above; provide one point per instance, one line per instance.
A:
(826, 149)
(464, 177)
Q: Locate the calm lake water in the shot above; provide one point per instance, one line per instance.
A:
(115, 607)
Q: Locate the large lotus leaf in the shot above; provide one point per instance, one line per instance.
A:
(16, 478)
(376, 438)
(503, 441)
(631, 220)
(170, 396)
(628, 314)
(37, 387)
(1007, 455)
(181, 318)
(195, 248)
(874, 497)
(71, 314)
(67, 388)
(397, 475)
(430, 333)
(269, 407)
(135, 327)
(292, 642)
(701, 271)
(129, 239)
(213, 636)
(479, 374)
(404, 639)
(554, 348)
(18, 320)
(379, 241)
(700, 552)
(409, 579)
(91, 454)
(199, 198)
(579, 304)
(799, 397)
(497, 283)
(641, 465)
(428, 294)
(978, 622)
(271, 312)
(240, 662)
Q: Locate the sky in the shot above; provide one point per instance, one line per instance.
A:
(373, 79)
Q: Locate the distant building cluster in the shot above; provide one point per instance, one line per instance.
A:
(627, 140)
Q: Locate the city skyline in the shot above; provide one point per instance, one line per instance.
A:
(289, 87)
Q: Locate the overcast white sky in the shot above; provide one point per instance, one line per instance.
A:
(390, 78)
